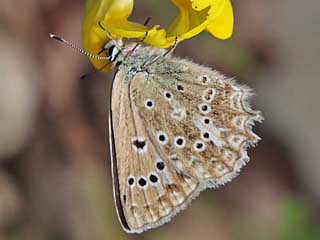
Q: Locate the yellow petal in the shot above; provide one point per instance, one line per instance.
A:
(113, 14)
(216, 16)
(105, 11)
(222, 26)
(187, 19)
(195, 16)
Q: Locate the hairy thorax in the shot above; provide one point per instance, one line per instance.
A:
(141, 60)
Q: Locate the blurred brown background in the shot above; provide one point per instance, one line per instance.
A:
(54, 163)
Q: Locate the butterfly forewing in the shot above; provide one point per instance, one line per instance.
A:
(146, 187)
(178, 128)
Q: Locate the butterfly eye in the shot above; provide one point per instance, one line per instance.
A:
(113, 52)
(110, 50)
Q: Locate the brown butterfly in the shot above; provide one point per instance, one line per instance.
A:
(176, 128)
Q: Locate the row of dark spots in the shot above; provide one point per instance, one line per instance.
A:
(179, 141)
(142, 181)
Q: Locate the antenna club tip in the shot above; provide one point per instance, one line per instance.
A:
(56, 37)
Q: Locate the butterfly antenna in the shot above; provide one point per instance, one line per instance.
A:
(147, 21)
(90, 55)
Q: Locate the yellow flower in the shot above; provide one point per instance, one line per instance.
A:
(195, 16)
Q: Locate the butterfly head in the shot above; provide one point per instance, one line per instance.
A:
(113, 50)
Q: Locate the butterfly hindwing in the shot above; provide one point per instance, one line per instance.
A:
(204, 116)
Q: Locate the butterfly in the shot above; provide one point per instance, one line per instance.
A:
(176, 128)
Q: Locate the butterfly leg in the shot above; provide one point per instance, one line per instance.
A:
(110, 37)
(137, 45)
(147, 21)
(172, 48)
(153, 60)
(126, 40)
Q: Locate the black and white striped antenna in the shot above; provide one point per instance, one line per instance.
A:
(90, 55)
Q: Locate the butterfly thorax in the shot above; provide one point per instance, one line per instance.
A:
(139, 60)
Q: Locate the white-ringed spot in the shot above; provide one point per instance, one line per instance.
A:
(174, 157)
(204, 108)
(142, 182)
(206, 121)
(180, 88)
(139, 144)
(179, 142)
(167, 95)
(160, 165)
(208, 95)
(149, 104)
(153, 178)
(162, 138)
(204, 79)
(131, 181)
(178, 113)
(205, 136)
(199, 146)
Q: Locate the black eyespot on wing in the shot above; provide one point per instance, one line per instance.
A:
(206, 120)
(153, 178)
(204, 108)
(199, 145)
(160, 165)
(149, 104)
(162, 138)
(204, 79)
(180, 88)
(179, 141)
(142, 182)
(139, 144)
(131, 181)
